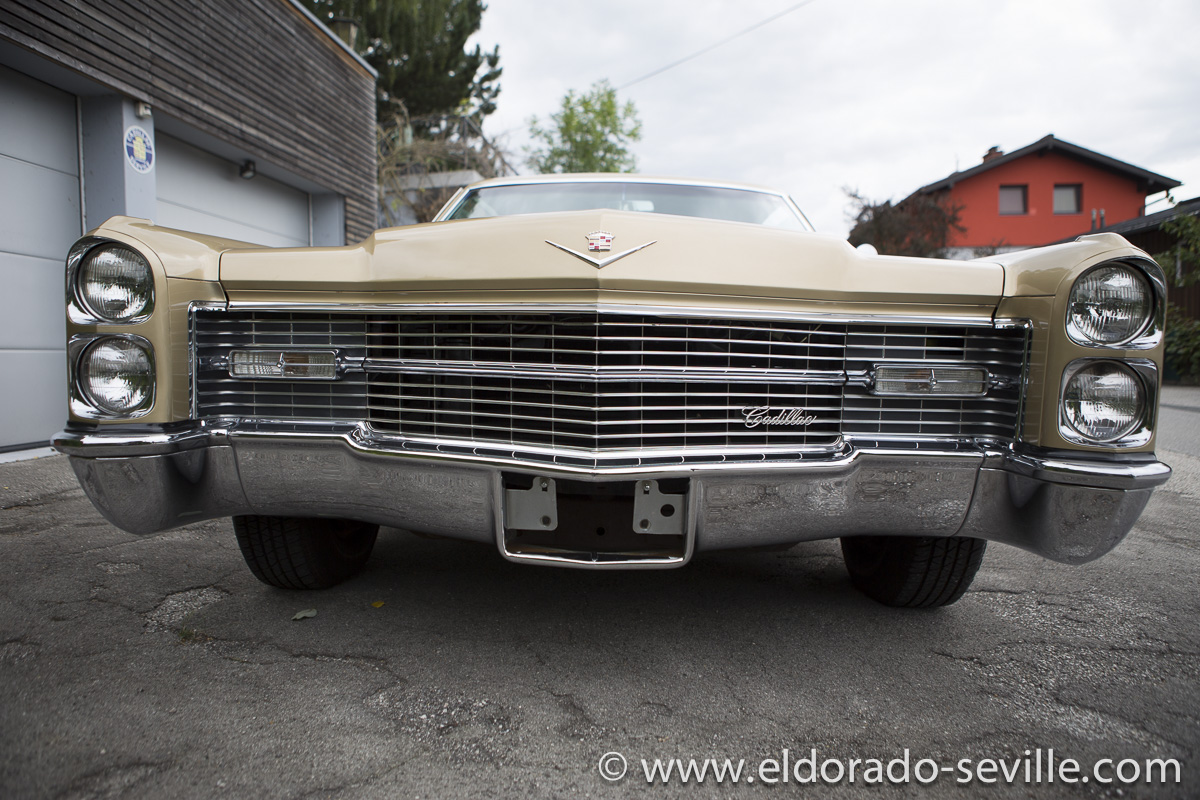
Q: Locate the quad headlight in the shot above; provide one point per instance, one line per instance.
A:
(1110, 305)
(114, 377)
(114, 283)
(1102, 401)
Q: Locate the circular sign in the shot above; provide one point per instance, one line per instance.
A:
(139, 149)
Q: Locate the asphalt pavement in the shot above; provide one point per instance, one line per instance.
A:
(158, 667)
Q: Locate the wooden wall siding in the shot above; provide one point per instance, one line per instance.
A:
(254, 73)
(1187, 298)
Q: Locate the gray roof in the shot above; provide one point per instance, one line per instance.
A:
(1152, 181)
(1153, 221)
(1146, 224)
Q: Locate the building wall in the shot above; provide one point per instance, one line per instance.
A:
(1117, 195)
(229, 69)
(153, 109)
(39, 218)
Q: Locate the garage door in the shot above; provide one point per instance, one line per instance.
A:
(200, 192)
(39, 219)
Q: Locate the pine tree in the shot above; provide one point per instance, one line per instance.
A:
(418, 48)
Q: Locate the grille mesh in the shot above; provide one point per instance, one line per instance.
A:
(591, 381)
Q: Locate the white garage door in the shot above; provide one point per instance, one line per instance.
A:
(200, 192)
(39, 219)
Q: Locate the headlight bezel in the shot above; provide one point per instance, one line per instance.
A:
(1145, 372)
(79, 311)
(82, 403)
(1149, 335)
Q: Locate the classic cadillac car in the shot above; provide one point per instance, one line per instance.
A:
(615, 371)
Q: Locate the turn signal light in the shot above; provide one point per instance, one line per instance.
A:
(295, 365)
(898, 379)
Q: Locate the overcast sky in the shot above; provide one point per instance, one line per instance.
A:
(879, 95)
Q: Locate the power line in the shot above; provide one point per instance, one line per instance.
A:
(714, 46)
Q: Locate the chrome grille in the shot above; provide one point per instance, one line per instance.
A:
(218, 394)
(591, 381)
(994, 416)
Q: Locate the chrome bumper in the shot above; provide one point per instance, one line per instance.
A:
(1071, 511)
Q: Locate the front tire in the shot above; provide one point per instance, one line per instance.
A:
(299, 553)
(912, 571)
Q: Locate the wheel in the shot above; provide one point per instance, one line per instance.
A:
(912, 571)
(296, 553)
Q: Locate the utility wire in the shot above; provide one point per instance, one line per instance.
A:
(714, 46)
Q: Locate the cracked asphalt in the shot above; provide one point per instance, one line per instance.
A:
(158, 667)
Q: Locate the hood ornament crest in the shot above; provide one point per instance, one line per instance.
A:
(599, 242)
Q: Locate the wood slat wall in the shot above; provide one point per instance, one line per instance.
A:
(257, 74)
(1187, 298)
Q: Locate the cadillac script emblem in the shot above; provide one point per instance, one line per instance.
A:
(765, 415)
(600, 240)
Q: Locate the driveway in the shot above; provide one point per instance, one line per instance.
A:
(158, 667)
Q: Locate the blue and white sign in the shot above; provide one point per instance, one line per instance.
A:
(139, 149)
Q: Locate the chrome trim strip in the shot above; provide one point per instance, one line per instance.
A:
(600, 263)
(1023, 377)
(193, 307)
(1114, 475)
(981, 320)
(1056, 468)
(604, 374)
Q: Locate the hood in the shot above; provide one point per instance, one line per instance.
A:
(696, 257)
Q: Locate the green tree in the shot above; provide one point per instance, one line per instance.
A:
(1182, 262)
(418, 48)
(919, 225)
(1182, 266)
(590, 133)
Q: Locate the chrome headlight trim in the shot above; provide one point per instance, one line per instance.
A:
(79, 310)
(81, 402)
(1145, 372)
(1149, 334)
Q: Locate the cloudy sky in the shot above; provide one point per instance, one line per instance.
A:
(882, 96)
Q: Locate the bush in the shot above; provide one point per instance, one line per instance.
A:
(1183, 345)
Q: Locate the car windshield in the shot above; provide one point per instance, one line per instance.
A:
(709, 202)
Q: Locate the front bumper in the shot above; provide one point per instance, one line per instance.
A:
(1068, 510)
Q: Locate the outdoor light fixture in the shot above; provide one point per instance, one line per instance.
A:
(248, 170)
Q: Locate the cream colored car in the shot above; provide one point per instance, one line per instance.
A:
(615, 371)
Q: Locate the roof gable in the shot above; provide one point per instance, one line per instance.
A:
(1151, 180)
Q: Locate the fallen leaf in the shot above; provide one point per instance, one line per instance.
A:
(306, 613)
(378, 604)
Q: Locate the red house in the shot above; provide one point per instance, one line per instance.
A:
(1043, 193)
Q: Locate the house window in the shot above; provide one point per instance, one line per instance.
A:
(1013, 199)
(1068, 198)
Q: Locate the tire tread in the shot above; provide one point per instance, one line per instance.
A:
(913, 572)
(298, 553)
